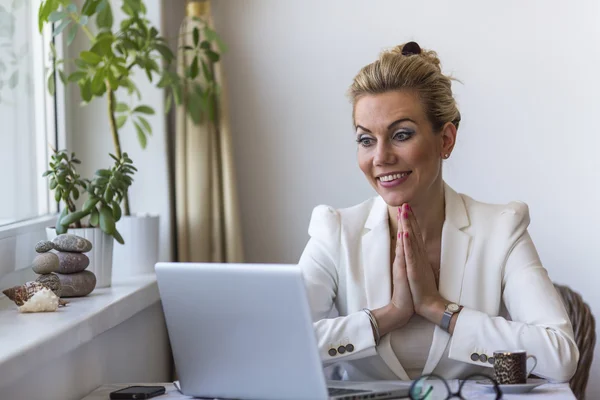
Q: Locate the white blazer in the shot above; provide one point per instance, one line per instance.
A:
(489, 265)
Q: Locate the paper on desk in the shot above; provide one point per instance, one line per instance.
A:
(180, 395)
(370, 385)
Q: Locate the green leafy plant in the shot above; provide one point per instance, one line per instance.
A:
(104, 192)
(66, 183)
(114, 55)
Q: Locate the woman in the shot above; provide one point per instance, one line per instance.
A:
(425, 280)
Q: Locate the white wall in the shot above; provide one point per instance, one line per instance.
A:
(89, 137)
(529, 101)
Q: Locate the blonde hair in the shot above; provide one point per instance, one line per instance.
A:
(408, 67)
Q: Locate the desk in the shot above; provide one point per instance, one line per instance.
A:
(558, 391)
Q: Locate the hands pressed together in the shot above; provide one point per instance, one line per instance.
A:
(414, 286)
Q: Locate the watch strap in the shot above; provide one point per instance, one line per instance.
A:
(446, 318)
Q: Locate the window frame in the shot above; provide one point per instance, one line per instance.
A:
(50, 133)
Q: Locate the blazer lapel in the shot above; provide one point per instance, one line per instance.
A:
(455, 248)
(377, 272)
(375, 246)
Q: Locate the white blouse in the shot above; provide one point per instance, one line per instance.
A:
(412, 343)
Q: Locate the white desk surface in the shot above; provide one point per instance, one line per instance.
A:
(558, 391)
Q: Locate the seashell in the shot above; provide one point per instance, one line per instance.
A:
(52, 282)
(20, 294)
(34, 297)
(43, 300)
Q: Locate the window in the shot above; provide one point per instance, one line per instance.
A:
(27, 113)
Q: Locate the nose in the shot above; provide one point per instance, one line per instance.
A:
(384, 154)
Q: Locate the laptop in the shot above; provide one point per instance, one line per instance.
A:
(244, 331)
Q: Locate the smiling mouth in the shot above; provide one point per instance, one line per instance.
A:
(393, 177)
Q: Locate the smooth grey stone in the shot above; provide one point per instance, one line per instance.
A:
(45, 263)
(44, 246)
(71, 263)
(78, 284)
(52, 282)
(72, 243)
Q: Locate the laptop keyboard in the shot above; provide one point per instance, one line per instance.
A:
(342, 392)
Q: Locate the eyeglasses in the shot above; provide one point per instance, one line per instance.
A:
(419, 391)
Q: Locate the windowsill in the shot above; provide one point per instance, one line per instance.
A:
(16, 228)
(29, 340)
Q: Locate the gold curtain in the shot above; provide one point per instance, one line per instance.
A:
(206, 203)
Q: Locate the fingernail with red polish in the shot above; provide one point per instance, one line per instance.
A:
(405, 234)
(399, 235)
(408, 207)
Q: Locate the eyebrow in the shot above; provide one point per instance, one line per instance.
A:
(390, 126)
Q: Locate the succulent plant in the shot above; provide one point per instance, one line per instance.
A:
(104, 192)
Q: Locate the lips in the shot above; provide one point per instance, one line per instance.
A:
(393, 176)
(391, 181)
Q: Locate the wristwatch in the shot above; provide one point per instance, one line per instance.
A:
(451, 309)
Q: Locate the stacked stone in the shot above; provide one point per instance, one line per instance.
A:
(45, 264)
(74, 280)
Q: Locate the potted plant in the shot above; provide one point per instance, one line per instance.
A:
(106, 69)
(96, 220)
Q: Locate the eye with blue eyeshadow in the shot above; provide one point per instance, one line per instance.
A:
(364, 140)
(398, 136)
(403, 135)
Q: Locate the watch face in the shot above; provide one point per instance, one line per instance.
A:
(453, 307)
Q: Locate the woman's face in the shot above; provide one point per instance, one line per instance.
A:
(397, 149)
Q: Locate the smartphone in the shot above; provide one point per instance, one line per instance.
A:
(138, 392)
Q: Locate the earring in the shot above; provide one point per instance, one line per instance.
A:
(446, 155)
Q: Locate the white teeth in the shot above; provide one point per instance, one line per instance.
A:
(392, 177)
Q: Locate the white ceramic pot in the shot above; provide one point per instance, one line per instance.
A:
(140, 251)
(100, 256)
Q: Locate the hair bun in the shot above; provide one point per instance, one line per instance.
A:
(411, 48)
